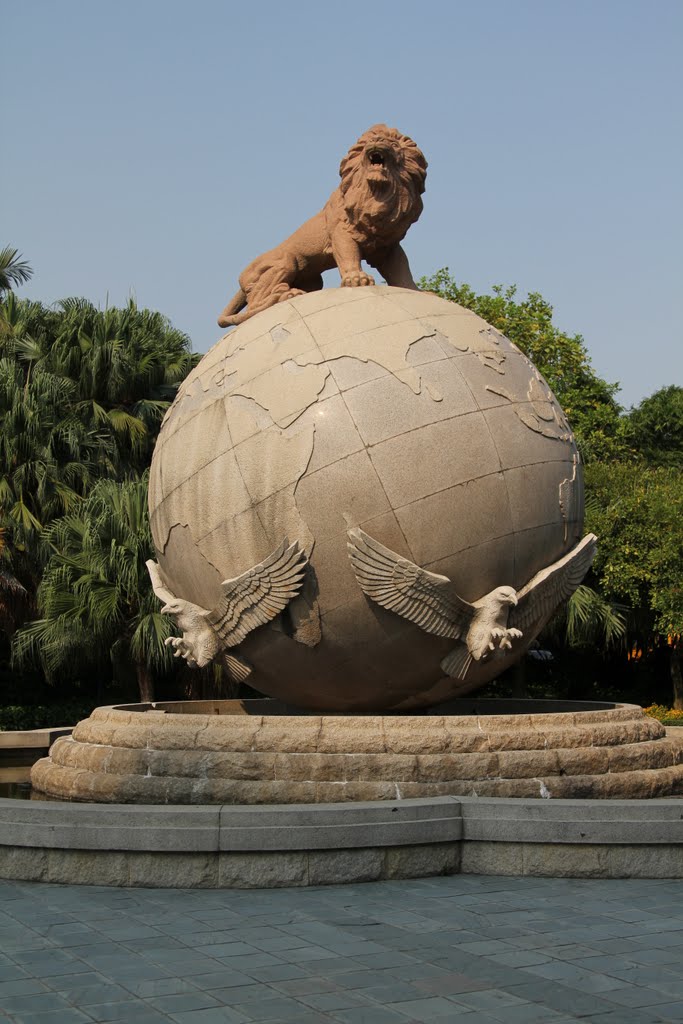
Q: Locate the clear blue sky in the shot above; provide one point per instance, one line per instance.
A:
(156, 146)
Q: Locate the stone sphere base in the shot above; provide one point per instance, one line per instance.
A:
(263, 752)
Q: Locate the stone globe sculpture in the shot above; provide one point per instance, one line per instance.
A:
(365, 499)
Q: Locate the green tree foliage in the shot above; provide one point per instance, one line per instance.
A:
(655, 427)
(82, 396)
(636, 511)
(125, 366)
(46, 461)
(588, 401)
(589, 620)
(13, 269)
(95, 600)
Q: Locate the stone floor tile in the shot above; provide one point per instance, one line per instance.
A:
(619, 945)
(450, 984)
(368, 1015)
(475, 1017)
(168, 956)
(276, 942)
(223, 949)
(428, 1009)
(219, 979)
(198, 966)
(213, 1015)
(669, 1011)
(485, 948)
(278, 973)
(12, 972)
(672, 986)
(637, 996)
(279, 1008)
(69, 1016)
(389, 959)
(299, 1016)
(242, 994)
(89, 994)
(670, 955)
(399, 991)
(133, 1012)
(528, 1013)
(256, 959)
(96, 950)
(605, 963)
(562, 998)
(307, 986)
(520, 958)
(633, 1016)
(304, 954)
(147, 988)
(332, 965)
(362, 979)
(36, 1002)
(20, 987)
(489, 999)
(571, 951)
(326, 1001)
(194, 1000)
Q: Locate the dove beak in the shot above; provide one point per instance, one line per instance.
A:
(513, 599)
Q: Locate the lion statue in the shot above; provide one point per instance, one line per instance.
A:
(382, 181)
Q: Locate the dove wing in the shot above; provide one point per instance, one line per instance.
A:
(398, 584)
(259, 594)
(158, 585)
(550, 587)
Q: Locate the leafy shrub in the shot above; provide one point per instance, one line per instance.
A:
(19, 717)
(667, 716)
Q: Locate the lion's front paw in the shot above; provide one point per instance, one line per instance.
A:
(358, 279)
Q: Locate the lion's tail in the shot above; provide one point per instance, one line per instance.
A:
(237, 303)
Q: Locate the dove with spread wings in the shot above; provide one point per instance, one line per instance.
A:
(487, 627)
(249, 600)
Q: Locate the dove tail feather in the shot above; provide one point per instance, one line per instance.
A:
(457, 663)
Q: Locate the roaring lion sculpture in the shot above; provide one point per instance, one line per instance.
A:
(382, 180)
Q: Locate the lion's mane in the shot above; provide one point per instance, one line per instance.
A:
(369, 218)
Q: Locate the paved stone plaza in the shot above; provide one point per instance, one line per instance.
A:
(487, 950)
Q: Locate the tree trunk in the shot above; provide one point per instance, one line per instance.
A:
(145, 682)
(519, 686)
(676, 678)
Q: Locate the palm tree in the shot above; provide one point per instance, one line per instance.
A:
(127, 365)
(96, 597)
(47, 461)
(590, 620)
(13, 269)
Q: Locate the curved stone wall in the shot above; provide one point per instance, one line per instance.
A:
(229, 752)
(320, 844)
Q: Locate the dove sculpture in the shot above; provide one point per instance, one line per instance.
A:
(249, 600)
(487, 628)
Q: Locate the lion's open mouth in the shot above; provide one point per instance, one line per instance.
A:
(378, 176)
